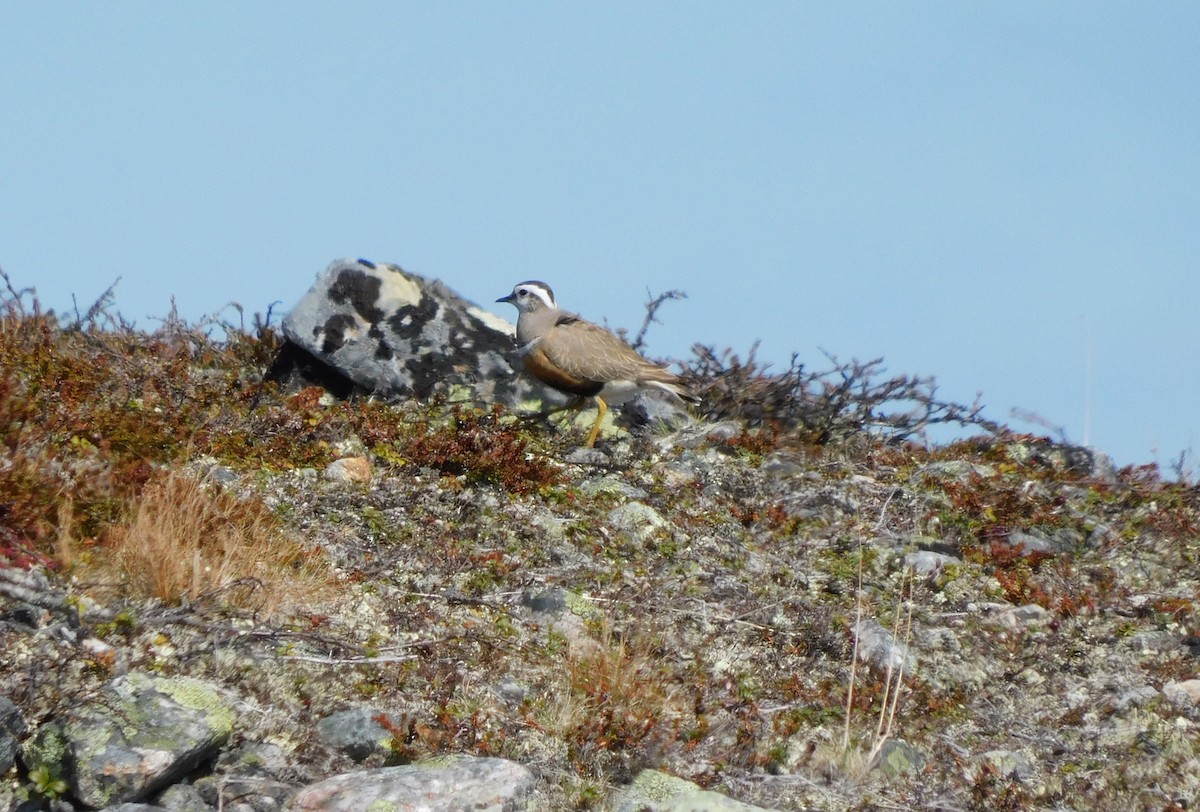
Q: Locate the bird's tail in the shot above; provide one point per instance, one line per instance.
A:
(676, 388)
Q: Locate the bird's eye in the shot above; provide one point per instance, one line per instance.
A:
(522, 292)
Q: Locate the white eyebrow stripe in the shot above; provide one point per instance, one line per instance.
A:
(540, 291)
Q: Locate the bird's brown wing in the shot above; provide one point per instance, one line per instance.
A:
(589, 352)
(546, 371)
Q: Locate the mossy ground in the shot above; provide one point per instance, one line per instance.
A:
(716, 647)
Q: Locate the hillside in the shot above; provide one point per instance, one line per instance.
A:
(789, 601)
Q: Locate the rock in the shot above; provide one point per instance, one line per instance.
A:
(1184, 694)
(586, 456)
(637, 519)
(249, 778)
(646, 408)
(564, 613)
(653, 791)
(1070, 459)
(897, 758)
(142, 734)
(959, 470)
(512, 691)
(783, 464)
(1029, 542)
(927, 562)
(379, 329)
(552, 602)
(11, 728)
(696, 435)
(37, 602)
(611, 485)
(133, 808)
(879, 648)
(441, 785)
(183, 798)
(355, 732)
(1016, 618)
(350, 470)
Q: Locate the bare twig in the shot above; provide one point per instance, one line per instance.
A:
(652, 306)
(1028, 416)
(97, 309)
(305, 658)
(14, 300)
(847, 399)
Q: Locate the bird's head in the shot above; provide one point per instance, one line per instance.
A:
(531, 296)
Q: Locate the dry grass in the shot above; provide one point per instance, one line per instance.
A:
(616, 705)
(187, 539)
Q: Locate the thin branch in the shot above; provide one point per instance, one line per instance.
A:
(652, 307)
(305, 658)
(97, 309)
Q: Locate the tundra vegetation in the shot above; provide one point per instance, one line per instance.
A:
(800, 600)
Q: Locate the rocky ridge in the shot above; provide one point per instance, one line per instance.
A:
(703, 616)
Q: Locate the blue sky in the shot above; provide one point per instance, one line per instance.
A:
(987, 193)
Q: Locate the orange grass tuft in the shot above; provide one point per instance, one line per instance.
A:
(188, 539)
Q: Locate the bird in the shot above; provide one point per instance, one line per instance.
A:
(580, 358)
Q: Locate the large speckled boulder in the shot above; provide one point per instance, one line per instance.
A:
(141, 734)
(379, 329)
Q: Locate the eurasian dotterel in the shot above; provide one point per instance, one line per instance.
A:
(581, 358)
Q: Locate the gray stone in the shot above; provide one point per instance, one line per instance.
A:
(586, 456)
(653, 791)
(183, 798)
(783, 464)
(696, 435)
(927, 562)
(649, 409)
(547, 601)
(11, 727)
(251, 776)
(1023, 617)
(440, 785)
(637, 519)
(960, 470)
(128, 807)
(1030, 542)
(355, 732)
(1072, 459)
(724, 431)
(1184, 694)
(879, 648)
(512, 691)
(611, 485)
(394, 333)
(897, 758)
(142, 734)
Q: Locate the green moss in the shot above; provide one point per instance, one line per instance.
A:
(197, 695)
(47, 749)
(379, 805)
(653, 785)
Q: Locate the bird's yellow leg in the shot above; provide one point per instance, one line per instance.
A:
(601, 408)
